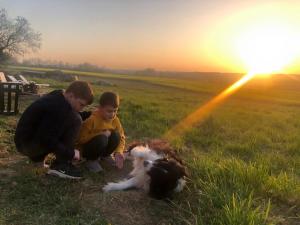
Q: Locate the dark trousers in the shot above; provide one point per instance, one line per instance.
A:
(101, 146)
(36, 150)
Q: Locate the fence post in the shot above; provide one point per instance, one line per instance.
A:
(1, 98)
(18, 90)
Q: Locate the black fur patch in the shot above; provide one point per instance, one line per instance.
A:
(164, 177)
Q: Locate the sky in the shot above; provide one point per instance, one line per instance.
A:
(177, 35)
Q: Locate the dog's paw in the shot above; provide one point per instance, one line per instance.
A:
(140, 152)
(108, 187)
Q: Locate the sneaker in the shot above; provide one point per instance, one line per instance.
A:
(64, 170)
(93, 166)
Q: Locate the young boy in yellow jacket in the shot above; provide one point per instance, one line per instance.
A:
(101, 134)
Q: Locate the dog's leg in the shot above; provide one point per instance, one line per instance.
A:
(145, 154)
(137, 166)
(122, 185)
(140, 152)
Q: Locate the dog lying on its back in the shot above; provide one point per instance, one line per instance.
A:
(156, 169)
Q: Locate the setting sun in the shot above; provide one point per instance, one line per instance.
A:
(267, 48)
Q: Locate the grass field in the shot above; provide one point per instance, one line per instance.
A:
(243, 158)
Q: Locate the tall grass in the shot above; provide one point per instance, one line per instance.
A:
(243, 159)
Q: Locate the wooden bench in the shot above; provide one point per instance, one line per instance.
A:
(9, 96)
(23, 79)
(13, 79)
(30, 87)
(2, 78)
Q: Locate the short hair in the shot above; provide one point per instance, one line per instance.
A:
(110, 99)
(81, 89)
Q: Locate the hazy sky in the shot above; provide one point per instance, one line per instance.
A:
(189, 35)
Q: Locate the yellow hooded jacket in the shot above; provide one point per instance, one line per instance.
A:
(95, 125)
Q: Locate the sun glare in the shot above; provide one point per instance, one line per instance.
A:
(267, 48)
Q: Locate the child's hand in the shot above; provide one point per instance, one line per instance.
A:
(119, 158)
(76, 155)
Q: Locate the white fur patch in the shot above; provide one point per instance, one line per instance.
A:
(180, 185)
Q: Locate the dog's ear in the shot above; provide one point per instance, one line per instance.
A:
(181, 169)
(185, 172)
(174, 155)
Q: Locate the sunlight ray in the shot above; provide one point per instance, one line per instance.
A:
(201, 113)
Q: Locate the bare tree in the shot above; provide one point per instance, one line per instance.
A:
(16, 36)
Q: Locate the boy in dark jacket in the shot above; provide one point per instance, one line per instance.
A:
(51, 125)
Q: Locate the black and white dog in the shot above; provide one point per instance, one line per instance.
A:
(156, 169)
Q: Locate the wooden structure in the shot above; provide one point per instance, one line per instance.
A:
(9, 96)
(30, 87)
(27, 87)
(2, 78)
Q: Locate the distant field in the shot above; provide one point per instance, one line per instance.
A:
(243, 159)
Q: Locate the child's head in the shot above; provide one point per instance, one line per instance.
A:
(108, 105)
(79, 94)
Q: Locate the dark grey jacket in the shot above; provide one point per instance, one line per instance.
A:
(49, 123)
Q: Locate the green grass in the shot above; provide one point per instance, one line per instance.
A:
(36, 200)
(243, 159)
